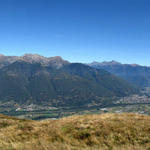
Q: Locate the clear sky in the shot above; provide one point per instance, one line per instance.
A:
(77, 30)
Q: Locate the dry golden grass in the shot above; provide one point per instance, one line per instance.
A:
(87, 132)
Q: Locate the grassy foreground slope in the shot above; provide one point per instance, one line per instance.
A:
(87, 132)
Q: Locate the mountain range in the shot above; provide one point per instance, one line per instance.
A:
(32, 78)
(133, 73)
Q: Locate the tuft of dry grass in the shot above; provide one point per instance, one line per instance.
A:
(87, 132)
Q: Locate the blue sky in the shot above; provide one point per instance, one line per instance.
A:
(77, 30)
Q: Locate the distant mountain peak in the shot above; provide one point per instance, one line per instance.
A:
(56, 61)
(37, 57)
(31, 55)
(133, 73)
(110, 63)
(113, 62)
(104, 63)
(56, 58)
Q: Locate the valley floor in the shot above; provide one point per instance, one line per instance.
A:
(55, 113)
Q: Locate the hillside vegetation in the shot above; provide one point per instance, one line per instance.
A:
(87, 132)
(71, 85)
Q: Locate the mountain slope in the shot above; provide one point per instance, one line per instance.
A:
(136, 74)
(87, 132)
(68, 84)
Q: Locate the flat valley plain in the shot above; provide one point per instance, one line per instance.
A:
(132, 104)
